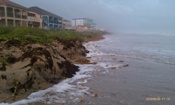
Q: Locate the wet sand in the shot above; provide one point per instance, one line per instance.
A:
(136, 84)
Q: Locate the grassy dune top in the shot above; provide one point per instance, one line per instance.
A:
(33, 35)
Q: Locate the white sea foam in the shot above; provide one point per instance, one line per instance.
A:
(93, 48)
(56, 93)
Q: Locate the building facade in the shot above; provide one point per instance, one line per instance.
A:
(12, 14)
(81, 21)
(49, 20)
(66, 24)
(34, 20)
(83, 24)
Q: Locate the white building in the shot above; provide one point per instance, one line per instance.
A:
(81, 21)
(66, 24)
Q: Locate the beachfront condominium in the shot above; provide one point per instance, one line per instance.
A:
(83, 24)
(34, 20)
(66, 24)
(82, 21)
(49, 20)
(12, 14)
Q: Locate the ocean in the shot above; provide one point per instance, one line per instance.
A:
(149, 78)
(158, 48)
(131, 69)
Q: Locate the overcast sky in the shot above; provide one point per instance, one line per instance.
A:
(116, 15)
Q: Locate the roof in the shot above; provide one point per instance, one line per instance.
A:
(12, 4)
(42, 12)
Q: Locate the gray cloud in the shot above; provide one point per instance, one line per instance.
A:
(116, 15)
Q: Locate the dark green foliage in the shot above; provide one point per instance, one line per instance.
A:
(5, 30)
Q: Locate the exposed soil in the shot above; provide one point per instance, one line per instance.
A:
(26, 68)
(93, 38)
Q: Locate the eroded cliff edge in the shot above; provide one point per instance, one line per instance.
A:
(26, 67)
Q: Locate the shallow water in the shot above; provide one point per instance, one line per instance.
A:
(149, 78)
(156, 48)
(150, 75)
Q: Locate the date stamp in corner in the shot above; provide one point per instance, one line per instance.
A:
(158, 99)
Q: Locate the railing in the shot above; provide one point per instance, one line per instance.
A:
(9, 14)
(56, 21)
(51, 21)
(17, 24)
(55, 26)
(2, 14)
(17, 16)
(24, 17)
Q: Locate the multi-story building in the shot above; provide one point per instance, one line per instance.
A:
(83, 24)
(66, 24)
(82, 21)
(49, 20)
(12, 14)
(34, 20)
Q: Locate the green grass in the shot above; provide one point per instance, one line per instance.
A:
(65, 35)
(33, 35)
(5, 30)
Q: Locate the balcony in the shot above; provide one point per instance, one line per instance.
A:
(17, 16)
(2, 14)
(55, 26)
(17, 13)
(10, 22)
(24, 23)
(9, 14)
(2, 22)
(24, 17)
(51, 21)
(56, 21)
(18, 23)
(31, 14)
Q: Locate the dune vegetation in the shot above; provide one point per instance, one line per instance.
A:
(33, 35)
